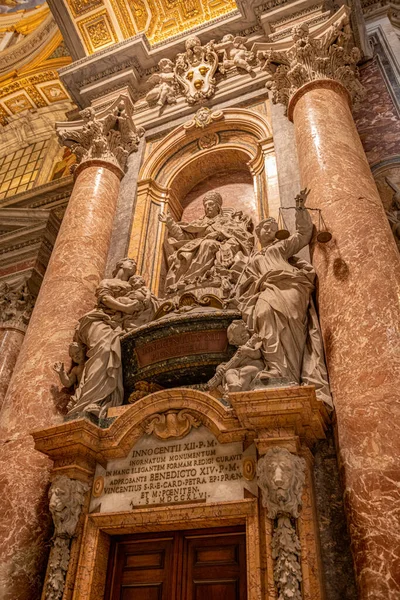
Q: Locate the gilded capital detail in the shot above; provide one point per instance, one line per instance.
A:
(331, 56)
(109, 136)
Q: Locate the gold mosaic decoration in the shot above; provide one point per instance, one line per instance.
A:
(158, 19)
(19, 170)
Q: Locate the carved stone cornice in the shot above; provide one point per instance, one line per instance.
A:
(311, 58)
(109, 136)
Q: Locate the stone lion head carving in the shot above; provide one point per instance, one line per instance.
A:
(66, 499)
(281, 477)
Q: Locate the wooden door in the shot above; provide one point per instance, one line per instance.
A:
(181, 565)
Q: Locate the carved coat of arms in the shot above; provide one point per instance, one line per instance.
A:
(195, 70)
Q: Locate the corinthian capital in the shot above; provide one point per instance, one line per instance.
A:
(326, 55)
(110, 135)
(16, 305)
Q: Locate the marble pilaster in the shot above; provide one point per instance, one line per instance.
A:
(33, 399)
(10, 345)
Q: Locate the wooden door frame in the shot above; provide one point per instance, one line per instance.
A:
(100, 527)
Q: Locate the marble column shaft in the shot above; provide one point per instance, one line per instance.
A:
(10, 344)
(358, 297)
(33, 399)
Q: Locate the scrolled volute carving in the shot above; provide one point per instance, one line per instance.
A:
(331, 56)
(281, 477)
(67, 497)
(111, 137)
(171, 424)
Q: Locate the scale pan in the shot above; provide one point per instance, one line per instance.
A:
(282, 234)
(324, 236)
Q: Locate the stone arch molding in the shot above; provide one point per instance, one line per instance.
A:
(228, 140)
(129, 427)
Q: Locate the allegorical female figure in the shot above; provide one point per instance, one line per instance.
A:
(275, 301)
(207, 246)
(123, 302)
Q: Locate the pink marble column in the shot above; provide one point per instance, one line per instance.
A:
(10, 345)
(358, 297)
(33, 400)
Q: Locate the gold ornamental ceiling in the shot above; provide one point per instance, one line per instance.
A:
(101, 23)
(29, 65)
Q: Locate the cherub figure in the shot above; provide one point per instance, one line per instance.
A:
(165, 86)
(145, 302)
(74, 375)
(239, 372)
(234, 53)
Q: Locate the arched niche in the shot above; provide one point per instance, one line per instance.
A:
(236, 141)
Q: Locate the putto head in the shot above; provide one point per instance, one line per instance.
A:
(300, 32)
(238, 333)
(166, 65)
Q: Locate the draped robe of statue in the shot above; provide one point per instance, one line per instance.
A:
(275, 301)
(99, 330)
(196, 254)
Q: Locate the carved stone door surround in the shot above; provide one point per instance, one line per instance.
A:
(291, 418)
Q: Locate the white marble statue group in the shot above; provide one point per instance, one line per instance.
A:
(278, 337)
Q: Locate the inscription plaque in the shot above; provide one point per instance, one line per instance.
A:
(182, 344)
(196, 468)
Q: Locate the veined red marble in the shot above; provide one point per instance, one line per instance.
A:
(10, 344)
(358, 295)
(33, 399)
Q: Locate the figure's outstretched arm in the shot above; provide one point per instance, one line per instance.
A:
(172, 226)
(304, 228)
(66, 379)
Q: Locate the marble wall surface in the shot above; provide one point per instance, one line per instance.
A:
(377, 118)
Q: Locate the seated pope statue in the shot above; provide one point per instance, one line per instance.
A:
(207, 247)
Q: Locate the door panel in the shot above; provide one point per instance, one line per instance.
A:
(224, 590)
(188, 565)
(215, 565)
(141, 568)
